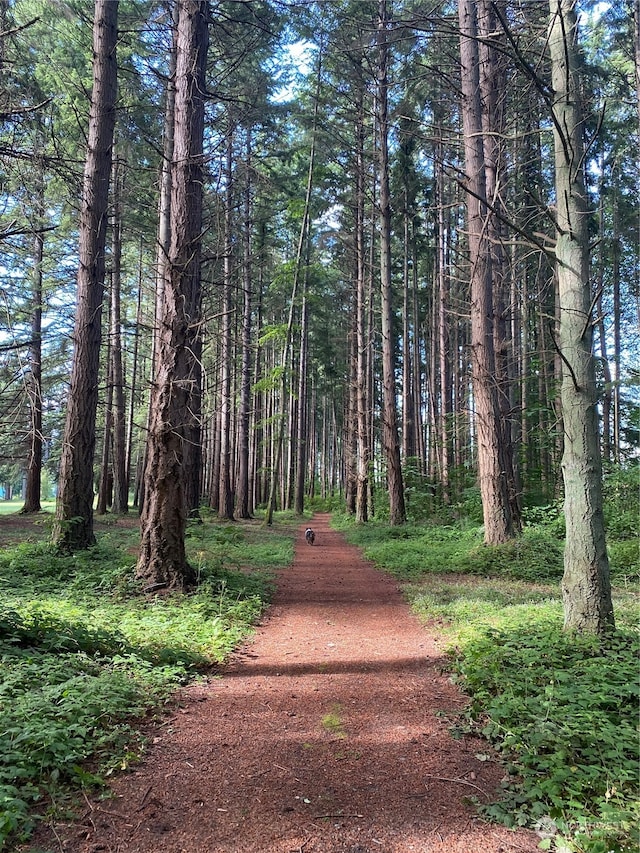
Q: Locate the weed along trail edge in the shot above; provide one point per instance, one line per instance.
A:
(326, 733)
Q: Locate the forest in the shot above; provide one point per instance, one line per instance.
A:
(261, 257)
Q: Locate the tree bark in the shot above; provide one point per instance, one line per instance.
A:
(243, 489)
(585, 585)
(120, 483)
(34, 383)
(225, 497)
(162, 559)
(494, 486)
(389, 414)
(493, 90)
(301, 438)
(164, 223)
(73, 526)
(363, 451)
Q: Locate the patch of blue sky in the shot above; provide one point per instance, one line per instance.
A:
(293, 63)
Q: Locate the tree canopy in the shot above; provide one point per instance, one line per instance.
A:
(377, 319)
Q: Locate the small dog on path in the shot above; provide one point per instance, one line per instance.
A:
(310, 536)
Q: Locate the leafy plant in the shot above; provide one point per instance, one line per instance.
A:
(562, 709)
(72, 684)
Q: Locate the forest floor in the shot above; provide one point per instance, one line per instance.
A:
(328, 732)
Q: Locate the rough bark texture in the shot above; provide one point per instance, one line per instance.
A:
(585, 586)
(226, 497)
(362, 343)
(120, 481)
(34, 381)
(162, 559)
(494, 92)
(301, 441)
(244, 491)
(498, 522)
(73, 528)
(389, 414)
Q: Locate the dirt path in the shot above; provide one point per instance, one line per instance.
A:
(322, 736)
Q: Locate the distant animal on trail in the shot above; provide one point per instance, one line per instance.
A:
(310, 536)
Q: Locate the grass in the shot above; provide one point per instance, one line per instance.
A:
(333, 724)
(561, 709)
(84, 657)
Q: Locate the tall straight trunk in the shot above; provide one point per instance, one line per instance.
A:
(120, 483)
(259, 397)
(363, 450)
(162, 560)
(312, 455)
(350, 459)
(34, 383)
(363, 402)
(492, 470)
(444, 355)
(586, 586)
(302, 436)
(164, 224)
(390, 438)
(408, 413)
(105, 484)
(73, 526)
(493, 89)
(226, 499)
(617, 331)
(214, 430)
(607, 391)
(243, 491)
(288, 478)
(417, 367)
(134, 373)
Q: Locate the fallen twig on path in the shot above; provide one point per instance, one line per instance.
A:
(144, 797)
(323, 816)
(459, 782)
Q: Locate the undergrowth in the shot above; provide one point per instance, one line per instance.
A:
(561, 709)
(84, 656)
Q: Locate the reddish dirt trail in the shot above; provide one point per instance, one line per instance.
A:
(323, 735)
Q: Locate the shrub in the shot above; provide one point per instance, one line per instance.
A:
(562, 708)
(72, 683)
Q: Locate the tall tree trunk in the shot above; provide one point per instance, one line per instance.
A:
(350, 458)
(362, 342)
(585, 585)
(134, 374)
(494, 485)
(34, 384)
(493, 89)
(226, 499)
(73, 526)
(120, 483)
(390, 437)
(301, 441)
(443, 336)
(617, 331)
(243, 491)
(162, 559)
(408, 412)
(164, 223)
(105, 484)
